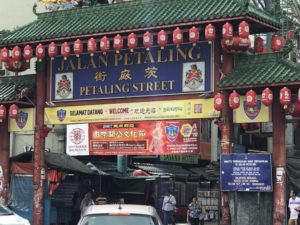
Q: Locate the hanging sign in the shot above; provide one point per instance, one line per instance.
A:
(246, 172)
(186, 159)
(172, 71)
(145, 138)
(138, 111)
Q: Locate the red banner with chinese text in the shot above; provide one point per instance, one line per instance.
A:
(145, 138)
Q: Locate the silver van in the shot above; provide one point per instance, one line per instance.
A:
(120, 214)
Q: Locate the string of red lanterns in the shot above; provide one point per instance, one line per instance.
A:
(230, 42)
(13, 112)
(285, 98)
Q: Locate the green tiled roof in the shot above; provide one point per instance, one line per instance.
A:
(259, 70)
(8, 84)
(133, 16)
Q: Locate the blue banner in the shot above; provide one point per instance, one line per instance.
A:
(170, 71)
(246, 172)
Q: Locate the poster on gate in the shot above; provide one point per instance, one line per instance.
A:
(144, 138)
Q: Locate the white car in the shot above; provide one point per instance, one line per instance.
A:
(120, 214)
(8, 217)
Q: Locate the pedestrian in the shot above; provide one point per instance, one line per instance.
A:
(76, 201)
(168, 208)
(86, 202)
(294, 205)
(193, 212)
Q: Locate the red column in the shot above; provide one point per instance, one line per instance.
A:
(279, 159)
(39, 146)
(226, 137)
(4, 162)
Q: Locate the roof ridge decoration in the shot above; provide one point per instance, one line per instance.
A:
(133, 16)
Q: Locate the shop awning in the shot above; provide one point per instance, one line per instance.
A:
(138, 15)
(14, 88)
(61, 162)
(272, 69)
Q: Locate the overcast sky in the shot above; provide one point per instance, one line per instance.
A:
(15, 13)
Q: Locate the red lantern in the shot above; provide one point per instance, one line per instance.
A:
(251, 98)
(118, 43)
(65, 50)
(194, 35)
(16, 66)
(210, 32)
(267, 97)
(132, 41)
(227, 31)
(104, 44)
(78, 47)
(4, 55)
(277, 43)
(290, 35)
(147, 40)
(241, 44)
(40, 52)
(177, 37)
(258, 45)
(294, 109)
(27, 53)
(219, 101)
(13, 111)
(2, 113)
(234, 100)
(162, 39)
(244, 29)
(16, 53)
(52, 50)
(285, 97)
(227, 44)
(92, 46)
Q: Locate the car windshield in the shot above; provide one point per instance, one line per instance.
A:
(5, 211)
(132, 219)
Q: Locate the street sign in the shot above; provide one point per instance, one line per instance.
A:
(246, 172)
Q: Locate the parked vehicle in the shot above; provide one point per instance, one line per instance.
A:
(121, 214)
(8, 217)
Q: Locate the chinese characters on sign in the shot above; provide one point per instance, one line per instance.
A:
(144, 138)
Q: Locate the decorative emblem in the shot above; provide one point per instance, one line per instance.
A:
(77, 136)
(252, 112)
(172, 132)
(193, 77)
(22, 119)
(186, 130)
(61, 114)
(64, 87)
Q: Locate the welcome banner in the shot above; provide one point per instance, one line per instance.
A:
(144, 138)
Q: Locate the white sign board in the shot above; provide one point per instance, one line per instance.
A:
(78, 139)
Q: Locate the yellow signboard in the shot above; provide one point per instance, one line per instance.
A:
(259, 113)
(138, 111)
(24, 122)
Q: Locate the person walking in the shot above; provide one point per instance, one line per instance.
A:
(86, 202)
(168, 208)
(193, 212)
(294, 205)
